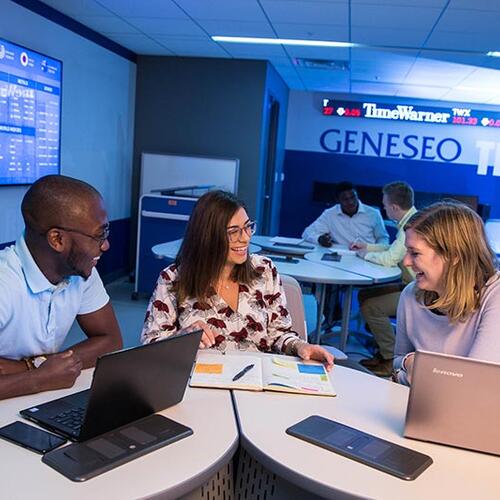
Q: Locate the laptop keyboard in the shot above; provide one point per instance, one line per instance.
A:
(72, 418)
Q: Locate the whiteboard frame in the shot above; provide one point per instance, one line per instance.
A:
(151, 176)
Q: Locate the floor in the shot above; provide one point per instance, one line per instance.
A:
(130, 314)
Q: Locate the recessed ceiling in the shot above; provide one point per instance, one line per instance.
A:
(431, 49)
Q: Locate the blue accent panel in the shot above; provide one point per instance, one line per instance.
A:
(155, 229)
(80, 29)
(116, 259)
(302, 168)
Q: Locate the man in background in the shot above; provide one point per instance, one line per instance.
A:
(47, 279)
(347, 222)
(378, 303)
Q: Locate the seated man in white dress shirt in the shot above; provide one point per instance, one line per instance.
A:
(347, 222)
(47, 280)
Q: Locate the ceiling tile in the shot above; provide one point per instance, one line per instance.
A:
(237, 28)
(186, 46)
(298, 31)
(394, 16)
(373, 88)
(223, 10)
(422, 91)
(429, 70)
(146, 8)
(306, 11)
(464, 40)
(78, 8)
(403, 3)
(170, 27)
(107, 25)
(481, 21)
(395, 37)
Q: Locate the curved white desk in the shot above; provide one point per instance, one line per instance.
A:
(356, 265)
(372, 405)
(171, 471)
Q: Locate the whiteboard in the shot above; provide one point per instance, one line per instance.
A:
(166, 171)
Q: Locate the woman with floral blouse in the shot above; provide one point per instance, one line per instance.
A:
(236, 298)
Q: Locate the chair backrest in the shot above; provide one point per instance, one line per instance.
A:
(295, 305)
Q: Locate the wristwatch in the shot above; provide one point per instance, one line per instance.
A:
(35, 362)
(39, 361)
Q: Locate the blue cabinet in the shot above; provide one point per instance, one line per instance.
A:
(160, 219)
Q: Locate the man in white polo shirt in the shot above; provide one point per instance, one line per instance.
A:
(47, 279)
(347, 222)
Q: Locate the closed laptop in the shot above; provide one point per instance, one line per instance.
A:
(455, 401)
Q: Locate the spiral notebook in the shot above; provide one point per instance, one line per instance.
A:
(261, 373)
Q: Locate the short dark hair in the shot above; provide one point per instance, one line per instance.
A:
(53, 199)
(400, 193)
(205, 247)
(343, 186)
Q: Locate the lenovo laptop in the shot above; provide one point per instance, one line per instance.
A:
(127, 385)
(455, 401)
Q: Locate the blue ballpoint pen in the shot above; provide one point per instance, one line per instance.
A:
(242, 372)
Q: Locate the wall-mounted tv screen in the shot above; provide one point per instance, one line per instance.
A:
(30, 114)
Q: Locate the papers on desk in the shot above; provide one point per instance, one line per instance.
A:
(269, 373)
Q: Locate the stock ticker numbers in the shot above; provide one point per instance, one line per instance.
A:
(410, 113)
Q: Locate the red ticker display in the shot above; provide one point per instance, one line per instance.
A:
(411, 113)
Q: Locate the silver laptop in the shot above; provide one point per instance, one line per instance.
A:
(455, 401)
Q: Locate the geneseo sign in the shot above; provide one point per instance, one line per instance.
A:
(411, 113)
(410, 147)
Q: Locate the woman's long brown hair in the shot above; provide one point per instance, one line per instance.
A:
(456, 233)
(205, 247)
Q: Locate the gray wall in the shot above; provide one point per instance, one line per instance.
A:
(211, 107)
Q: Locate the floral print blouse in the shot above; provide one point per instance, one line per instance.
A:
(262, 321)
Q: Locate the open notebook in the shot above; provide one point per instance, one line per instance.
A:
(269, 373)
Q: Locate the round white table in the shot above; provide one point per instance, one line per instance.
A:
(375, 406)
(171, 471)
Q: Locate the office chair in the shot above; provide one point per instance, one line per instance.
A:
(295, 305)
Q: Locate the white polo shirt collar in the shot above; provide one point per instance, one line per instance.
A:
(35, 279)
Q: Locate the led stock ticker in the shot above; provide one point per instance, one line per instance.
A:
(411, 113)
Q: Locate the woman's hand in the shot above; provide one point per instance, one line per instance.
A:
(208, 336)
(315, 352)
(408, 366)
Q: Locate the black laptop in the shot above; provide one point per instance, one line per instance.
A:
(127, 385)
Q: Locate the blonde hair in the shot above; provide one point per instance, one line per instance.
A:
(456, 233)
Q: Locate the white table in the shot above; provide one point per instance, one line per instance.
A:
(372, 405)
(171, 471)
(354, 264)
(170, 249)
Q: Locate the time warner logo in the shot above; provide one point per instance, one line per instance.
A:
(437, 371)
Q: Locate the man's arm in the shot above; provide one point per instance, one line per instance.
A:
(58, 372)
(322, 225)
(103, 332)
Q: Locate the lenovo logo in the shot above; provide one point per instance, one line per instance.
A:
(437, 371)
